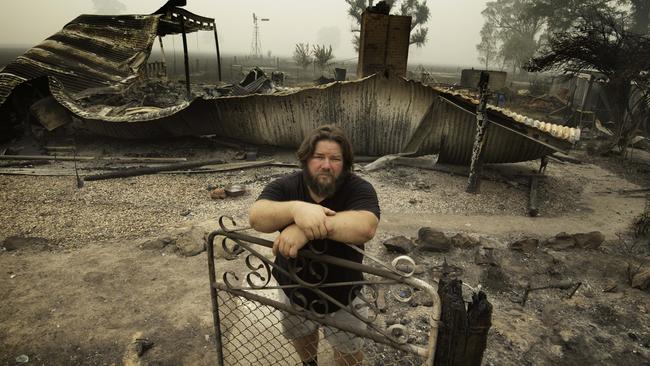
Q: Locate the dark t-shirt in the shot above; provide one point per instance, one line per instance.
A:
(354, 194)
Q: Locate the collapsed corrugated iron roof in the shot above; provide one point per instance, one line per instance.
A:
(96, 54)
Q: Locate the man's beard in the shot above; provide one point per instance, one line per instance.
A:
(324, 189)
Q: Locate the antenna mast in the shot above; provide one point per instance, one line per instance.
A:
(256, 44)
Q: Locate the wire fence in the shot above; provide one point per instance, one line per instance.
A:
(252, 334)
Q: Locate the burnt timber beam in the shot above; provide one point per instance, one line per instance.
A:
(216, 42)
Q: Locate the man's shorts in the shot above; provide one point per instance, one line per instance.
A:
(295, 326)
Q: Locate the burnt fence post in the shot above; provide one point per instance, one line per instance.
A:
(462, 337)
(474, 181)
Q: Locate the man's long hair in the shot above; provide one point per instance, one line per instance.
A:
(331, 133)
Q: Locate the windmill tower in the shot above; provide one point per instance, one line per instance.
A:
(256, 44)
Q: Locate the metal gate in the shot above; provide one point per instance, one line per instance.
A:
(249, 307)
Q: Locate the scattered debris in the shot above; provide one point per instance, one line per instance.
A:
(561, 286)
(218, 194)
(399, 244)
(142, 345)
(485, 256)
(563, 241)
(432, 240)
(235, 190)
(464, 241)
(190, 241)
(526, 245)
(20, 243)
(641, 280)
(591, 240)
(157, 243)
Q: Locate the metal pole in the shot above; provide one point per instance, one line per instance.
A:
(216, 42)
(215, 300)
(474, 181)
(185, 57)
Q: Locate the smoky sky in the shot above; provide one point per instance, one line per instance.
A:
(454, 26)
(329, 36)
(109, 7)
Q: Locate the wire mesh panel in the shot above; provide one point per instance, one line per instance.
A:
(258, 322)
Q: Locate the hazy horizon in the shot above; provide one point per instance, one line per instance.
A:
(453, 27)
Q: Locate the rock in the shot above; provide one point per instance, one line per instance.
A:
(591, 240)
(399, 244)
(641, 280)
(433, 240)
(485, 256)
(464, 241)
(526, 245)
(157, 243)
(191, 241)
(495, 279)
(19, 242)
(561, 241)
(421, 298)
(218, 193)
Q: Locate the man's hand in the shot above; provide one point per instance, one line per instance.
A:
(290, 240)
(311, 219)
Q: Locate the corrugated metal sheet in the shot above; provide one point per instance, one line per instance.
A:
(92, 51)
(381, 115)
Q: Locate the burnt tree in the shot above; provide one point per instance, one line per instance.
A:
(601, 42)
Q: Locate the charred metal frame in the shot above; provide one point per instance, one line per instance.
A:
(177, 20)
(259, 275)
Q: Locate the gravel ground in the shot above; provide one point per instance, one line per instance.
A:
(137, 207)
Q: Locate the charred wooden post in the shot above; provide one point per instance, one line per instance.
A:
(474, 180)
(185, 58)
(453, 327)
(532, 199)
(462, 338)
(479, 314)
(216, 42)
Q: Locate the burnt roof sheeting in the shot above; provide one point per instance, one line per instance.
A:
(170, 23)
(381, 115)
(90, 52)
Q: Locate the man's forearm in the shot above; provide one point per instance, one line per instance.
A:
(269, 216)
(352, 227)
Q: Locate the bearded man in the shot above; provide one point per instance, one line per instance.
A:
(329, 207)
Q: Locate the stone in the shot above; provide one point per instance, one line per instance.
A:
(641, 280)
(432, 240)
(399, 244)
(20, 242)
(157, 243)
(421, 298)
(526, 245)
(485, 256)
(464, 241)
(591, 240)
(561, 241)
(191, 241)
(218, 193)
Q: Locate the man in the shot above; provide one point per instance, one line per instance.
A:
(329, 206)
